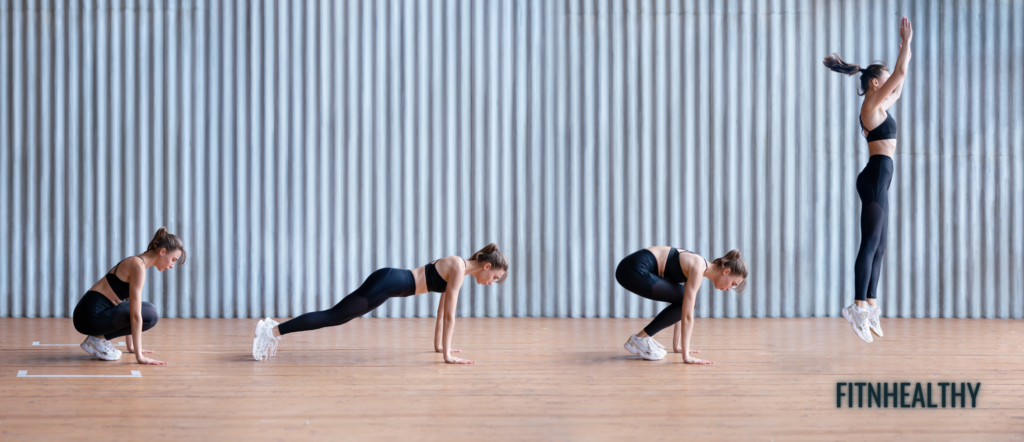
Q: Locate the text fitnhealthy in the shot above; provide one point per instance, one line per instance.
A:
(879, 394)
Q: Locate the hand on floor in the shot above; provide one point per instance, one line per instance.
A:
(696, 361)
(148, 361)
(455, 360)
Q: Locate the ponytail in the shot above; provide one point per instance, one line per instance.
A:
(491, 255)
(836, 64)
(169, 241)
(736, 266)
(873, 71)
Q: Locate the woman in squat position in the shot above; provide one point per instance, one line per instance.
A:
(444, 276)
(113, 307)
(672, 275)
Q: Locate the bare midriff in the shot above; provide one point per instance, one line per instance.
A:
(883, 147)
(420, 276)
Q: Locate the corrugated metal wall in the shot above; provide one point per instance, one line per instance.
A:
(298, 145)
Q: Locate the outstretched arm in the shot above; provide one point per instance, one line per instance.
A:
(677, 338)
(689, 300)
(452, 295)
(439, 326)
(893, 87)
(891, 100)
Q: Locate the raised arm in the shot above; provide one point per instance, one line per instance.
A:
(136, 280)
(893, 87)
(891, 100)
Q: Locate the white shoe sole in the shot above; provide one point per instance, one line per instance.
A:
(632, 349)
(99, 354)
(116, 352)
(853, 324)
(877, 331)
(865, 336)
(256, 340)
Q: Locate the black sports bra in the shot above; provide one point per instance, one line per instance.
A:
(119, 287)
(884, 131)
(435, 283)
(674, 273)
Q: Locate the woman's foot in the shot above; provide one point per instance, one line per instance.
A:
(101, 348)
(858, 318)
(645, 347)
(110, 347)
(658, 344)
(264, 345)
(874, 320)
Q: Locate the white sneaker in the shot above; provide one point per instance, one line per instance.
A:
(660, 347)
(857, 317)
(874, 320)
(264, 345)
(110, 347)
(656, 348)
(95, 347)
(645, 348)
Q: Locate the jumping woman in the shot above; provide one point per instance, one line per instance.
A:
(880, 91)
(444, 276)
(672, 275)
(102, 314)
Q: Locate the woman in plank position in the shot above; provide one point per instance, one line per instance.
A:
(444, 276)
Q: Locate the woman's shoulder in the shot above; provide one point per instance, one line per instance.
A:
(692, 260)
(130, 267)
(454, 260)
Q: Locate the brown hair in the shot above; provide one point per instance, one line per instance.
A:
(867, 74)
(169, 241)
(490, 254)
(736, 266)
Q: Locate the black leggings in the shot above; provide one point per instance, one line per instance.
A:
(873, 188)
(638, 273)
(95, 315)
(378, 287)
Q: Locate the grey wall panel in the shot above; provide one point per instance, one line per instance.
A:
(297, 146)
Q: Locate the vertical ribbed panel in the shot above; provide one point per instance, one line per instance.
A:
(297, 146)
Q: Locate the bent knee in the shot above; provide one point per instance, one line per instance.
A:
(150, 316)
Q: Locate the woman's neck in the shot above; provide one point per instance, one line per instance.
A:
(473, 267)
(712, 271)
(149, 257)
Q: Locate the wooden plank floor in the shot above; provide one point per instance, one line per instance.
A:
(535, 379)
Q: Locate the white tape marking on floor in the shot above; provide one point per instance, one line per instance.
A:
(24, 374)
(36, 343)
